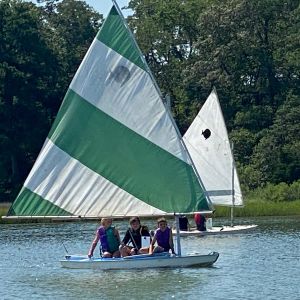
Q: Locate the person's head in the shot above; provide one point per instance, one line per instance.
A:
(106, 222)
(162, 224)
(135, 222)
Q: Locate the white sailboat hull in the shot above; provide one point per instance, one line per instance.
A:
(140, 262)
(218, 230)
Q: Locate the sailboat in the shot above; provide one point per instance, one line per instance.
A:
(114, 151)
(208, 144)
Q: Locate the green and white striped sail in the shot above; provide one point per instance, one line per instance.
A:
(113, 149)
(212, 156)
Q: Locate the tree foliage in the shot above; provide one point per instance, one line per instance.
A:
(27, 72)
(37, 59)
(249, 50)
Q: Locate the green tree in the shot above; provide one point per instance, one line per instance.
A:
(27, 70)
(40, 50)
(75, 25)
(277, 153)
(249, 50)
(166, 31)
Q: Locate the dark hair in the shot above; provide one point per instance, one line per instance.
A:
(133, 219)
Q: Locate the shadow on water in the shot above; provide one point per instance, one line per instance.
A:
(138, 284)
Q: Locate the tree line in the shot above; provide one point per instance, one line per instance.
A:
(248, 50)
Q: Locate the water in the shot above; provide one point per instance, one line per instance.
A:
(263, 264)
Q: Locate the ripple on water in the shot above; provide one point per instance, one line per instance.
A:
(263, 264)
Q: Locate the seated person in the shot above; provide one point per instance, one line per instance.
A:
(109, 240)
(163, 237)
(184, 223)
(200, 222)
(134, 235)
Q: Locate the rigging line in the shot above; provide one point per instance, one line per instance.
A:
(65, 247)
(133, 241)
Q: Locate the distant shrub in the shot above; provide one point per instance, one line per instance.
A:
(295, 190)
(276, 193)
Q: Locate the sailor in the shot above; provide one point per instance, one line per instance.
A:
(184, 223)
(109, 240)
(200, 221)
(163, 237)
(135, 235)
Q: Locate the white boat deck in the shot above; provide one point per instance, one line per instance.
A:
(218, 230)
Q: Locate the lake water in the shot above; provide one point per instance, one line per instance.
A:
(263, 264)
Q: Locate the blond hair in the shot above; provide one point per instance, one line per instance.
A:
(161, 220)
(104, 221)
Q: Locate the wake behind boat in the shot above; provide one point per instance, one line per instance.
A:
(114, 151)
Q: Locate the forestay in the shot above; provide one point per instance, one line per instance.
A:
(113, 149)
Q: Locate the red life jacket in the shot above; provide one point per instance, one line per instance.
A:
(198, 218)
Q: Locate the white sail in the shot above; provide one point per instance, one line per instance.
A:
(113, 149)
(209, 146)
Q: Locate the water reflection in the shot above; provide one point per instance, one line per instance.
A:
(122, 284)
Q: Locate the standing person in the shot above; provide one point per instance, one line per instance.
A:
(109, 240)
(184, 224)
(200, 222)
(134, 235)
(164, 238)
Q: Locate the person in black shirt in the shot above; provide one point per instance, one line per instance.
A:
(134, 236)
(184, 223)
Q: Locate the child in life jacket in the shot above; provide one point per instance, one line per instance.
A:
(200, 222)
(134, 235)
(164, 238)
(109, 240)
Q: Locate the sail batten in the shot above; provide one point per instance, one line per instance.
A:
(113, 149)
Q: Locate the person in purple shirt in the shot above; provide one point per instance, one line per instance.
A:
(163, 237)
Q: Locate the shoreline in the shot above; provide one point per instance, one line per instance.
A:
(251, 209)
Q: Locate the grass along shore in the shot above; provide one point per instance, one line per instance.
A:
(258, 208)
(253, 208)
(4, 208)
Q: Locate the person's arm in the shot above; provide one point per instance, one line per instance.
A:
(152, 245)
(171, 242)
(125, 239)
(94, 244)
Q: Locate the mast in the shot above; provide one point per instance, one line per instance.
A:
(178, 235)
(232, 187)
